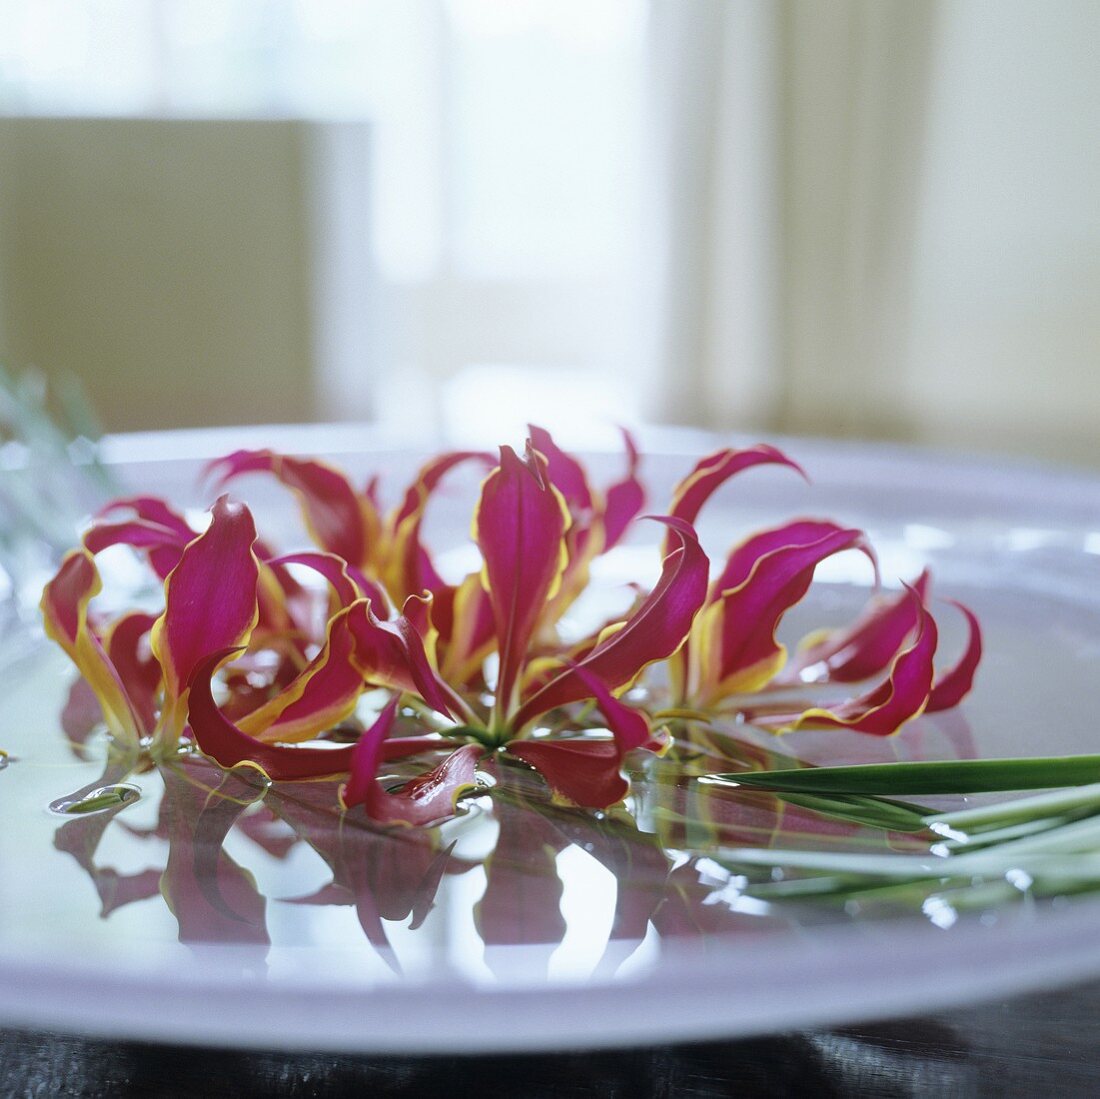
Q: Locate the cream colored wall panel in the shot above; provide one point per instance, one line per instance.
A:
(189, 272)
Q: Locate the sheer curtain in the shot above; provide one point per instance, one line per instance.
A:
(1005, 324)
(878, 218)
(789, 142)
(856, 84)
(714, 212)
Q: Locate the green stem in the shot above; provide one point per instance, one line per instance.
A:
(461, 705)
(441, 725)
(484, 737)
(894, 816)
(967, 776)
(1002, 813)
(973, 841)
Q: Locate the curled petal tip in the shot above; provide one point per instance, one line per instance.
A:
(365, 758)
(222, 741)
(956, 683)
(580, 772)
(423, 800)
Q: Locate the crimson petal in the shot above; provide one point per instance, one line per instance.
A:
(520, 528)
(210, 603)
(885, 708)
(345, 581)
(580, 772)
(137, 669)
(428, 478)
(151, 509)
(587, 772)
(715, 469)
(168, 531)
(565, 472)
(800, 532)
(628, 726)
(423, 800)
(653, 632)
(321, 696)
(409, 567)
(867, 646)
(365, 758)
(625, 498)
(954, 685)
(734, 649)
(136, 533)
(391, 654)
(161, 546)
(221, 740)
(338, 519)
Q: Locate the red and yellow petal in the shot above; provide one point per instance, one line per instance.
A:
(321, 696)
(64, 608)
(423, 800)
(520, 528)
(734, 648)
(226, 744)
(653, 632)
(711, 472)
(391, 654)
(955, 684)
(210, 603)
(884, 709)
(867, 646)
(338, 518)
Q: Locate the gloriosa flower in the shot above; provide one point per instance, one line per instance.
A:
(732, 651)
(255, 668)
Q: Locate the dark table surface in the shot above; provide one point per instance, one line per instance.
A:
(1036, 1045)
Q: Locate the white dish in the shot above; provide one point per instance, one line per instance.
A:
(1019, 545)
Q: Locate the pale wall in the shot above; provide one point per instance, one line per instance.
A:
(185, 270)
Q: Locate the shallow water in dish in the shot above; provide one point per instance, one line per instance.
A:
(281, 869)
(183, 855)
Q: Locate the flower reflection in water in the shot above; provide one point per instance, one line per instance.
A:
(589, 889)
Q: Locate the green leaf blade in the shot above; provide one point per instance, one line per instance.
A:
(967, 776)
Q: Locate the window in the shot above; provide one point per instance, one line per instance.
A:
(507, 143)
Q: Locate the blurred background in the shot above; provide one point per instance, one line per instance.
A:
(858, 218)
